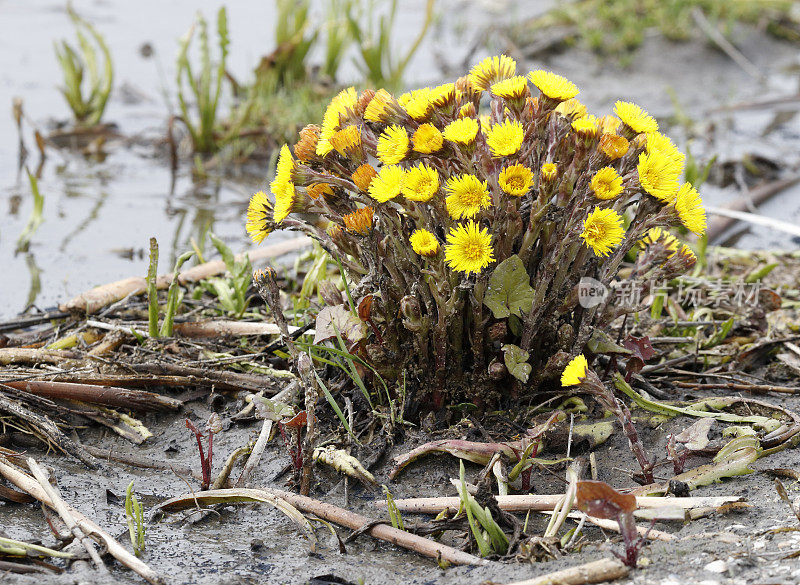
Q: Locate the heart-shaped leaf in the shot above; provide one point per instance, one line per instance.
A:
(516, 360)
(509, 291)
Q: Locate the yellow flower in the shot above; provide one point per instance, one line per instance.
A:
(505, 139)
(347, 141)
(586, 127)
(656, 234)
(363, 176)
(658, 175)
(469, 248)
(417, 103)
(282, 187)
(258, 213)
(613, 146)
(571, 109)
(548, 172)
(421, 183)
(575, 371)
(657, 142)
(344, 101)
(393, 145)
(609, 124)
(635, 117)
(387, 184)
(603, 231)
(381, 108)
(691, 212)
(513, 88)
(553, 86)
(516, 180)
(427, 139)
(315, 190)
(306, 147)
(606, 183)
(462, 131)
(360, 221)
(467, 111)
(467, 196)
(443, 96)
(424, 243)
(490, 71)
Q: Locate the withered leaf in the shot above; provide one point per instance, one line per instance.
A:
(338, 319)
(600, 500)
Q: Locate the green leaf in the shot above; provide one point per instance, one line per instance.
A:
(509, 291)
(599, 343)
(516, 360)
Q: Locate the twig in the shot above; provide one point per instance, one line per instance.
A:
(727, 47)
(770, 222)
(739, 387)
(60, 506)
(331, 513)
(94, 394)
(31, 486)
(522, 503)
(594, 572)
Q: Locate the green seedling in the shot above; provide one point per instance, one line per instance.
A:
(231, 292)
(87, 101)
(174, 294)
(488, 535)
(134, 514)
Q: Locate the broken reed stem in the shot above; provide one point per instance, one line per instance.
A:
(60, 506)
(543, 503)
(95, 394)
(115, 549)
(594, 572)
(346, 518)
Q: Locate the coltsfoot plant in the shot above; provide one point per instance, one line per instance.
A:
(465, 217)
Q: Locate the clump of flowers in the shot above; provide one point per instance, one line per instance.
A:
(470, 212)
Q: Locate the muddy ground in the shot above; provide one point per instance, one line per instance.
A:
(255, 544)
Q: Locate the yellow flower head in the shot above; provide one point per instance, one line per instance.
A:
(306, 147)
(658, 175)
(505, 139)
(467, 195)
(635, 117)
(360, 221)
(575, 371)
(609, 124)
(516, 180)
(548, 172)
(424, 243)
(387, 184)
(427, 139)
(606, 183)
(513, 88)
(258, 213)
(490, 71)
(467, 111)
(691, 212)
(282, 187)
(347, 141)
(613, 146)
(461, 131)
(363, 176)
(417, 103)
(586, 127)
(317, 190)
(421, 183)
(657, 142)
(656, 234)
(382, 108)
(393, 145)
(571, 109)
(469, 248)
(553, 86)
(443, 96)
(602, 230)
(344, 101)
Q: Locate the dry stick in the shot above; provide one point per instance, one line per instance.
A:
(739, 387)
(726, 46)
(523, 503)
(47, 428)
(331, 513)
(103, 395)
(60, 506)
(26, 355)
(115, 549)
(99, 297)
(613, 525)
(232, 381)
(594, 572)
(754, 197)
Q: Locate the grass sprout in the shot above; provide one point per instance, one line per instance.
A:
(134, 514)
